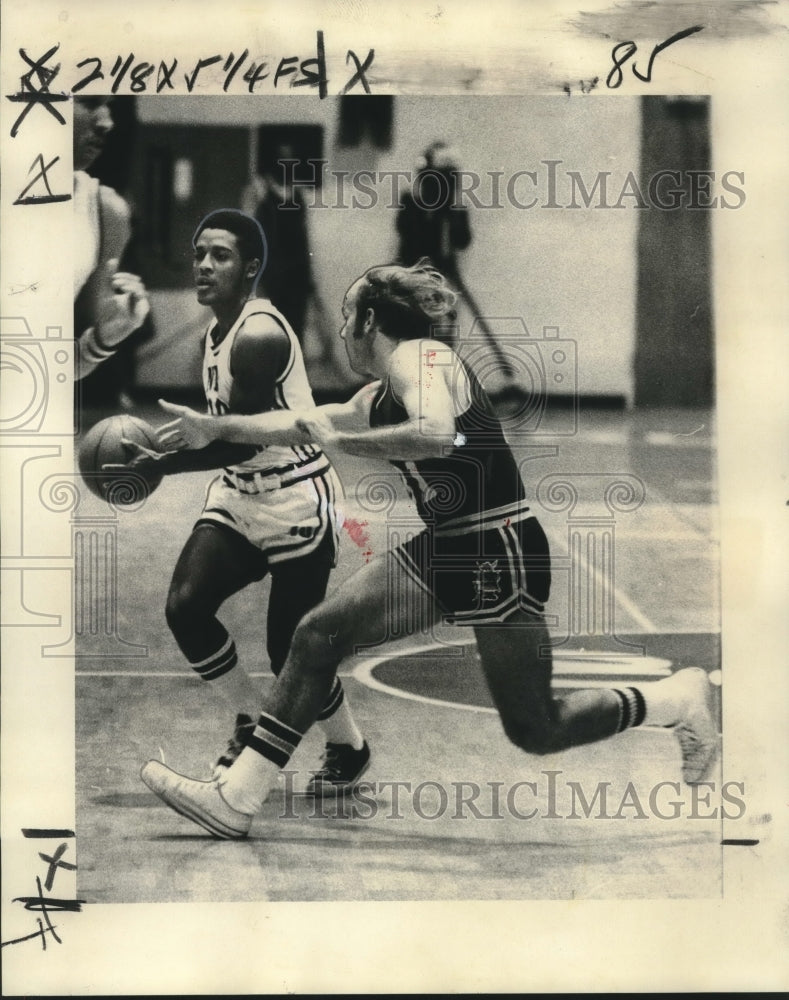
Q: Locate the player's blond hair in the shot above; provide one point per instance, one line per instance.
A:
(408, 302)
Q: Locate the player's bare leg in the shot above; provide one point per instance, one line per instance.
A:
(518, 675)
(297, 586)
(516, 660)
(373, 604)
(216, 563)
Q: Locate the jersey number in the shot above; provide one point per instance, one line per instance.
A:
(216, 406)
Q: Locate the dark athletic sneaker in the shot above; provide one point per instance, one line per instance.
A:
(342, 768)
(245, 726)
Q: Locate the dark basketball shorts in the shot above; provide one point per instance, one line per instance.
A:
(481, 570)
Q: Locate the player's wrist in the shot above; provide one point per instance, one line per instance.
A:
(112, 333)
(213, 426)
(93, 346)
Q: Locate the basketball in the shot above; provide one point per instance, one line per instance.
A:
(103, 445)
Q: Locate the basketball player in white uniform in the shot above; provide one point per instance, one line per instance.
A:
(271, 509)
(109, 304)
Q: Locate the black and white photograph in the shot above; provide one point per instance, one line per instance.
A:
(393, 483)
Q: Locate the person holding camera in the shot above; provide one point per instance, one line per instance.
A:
(432, 222)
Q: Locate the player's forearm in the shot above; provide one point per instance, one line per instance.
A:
(409, 441)
(275, 427)
(216, 455)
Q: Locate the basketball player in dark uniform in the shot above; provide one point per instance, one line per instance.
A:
(272, 507)
(482, 559)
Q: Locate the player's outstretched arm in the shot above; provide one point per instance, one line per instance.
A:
(169, 461)
(261, 353)
(191, 429)
(423, 387)
(120, 308)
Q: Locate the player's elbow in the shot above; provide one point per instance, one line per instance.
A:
(434, 438)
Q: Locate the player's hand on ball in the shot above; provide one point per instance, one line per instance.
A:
(190, 429)
(123, 305)
(114, 450)
(142, 460)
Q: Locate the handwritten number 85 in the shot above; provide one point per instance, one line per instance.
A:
(625, 50)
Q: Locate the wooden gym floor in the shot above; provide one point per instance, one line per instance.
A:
(461, 823)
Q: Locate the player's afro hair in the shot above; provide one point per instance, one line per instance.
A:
(246, 229)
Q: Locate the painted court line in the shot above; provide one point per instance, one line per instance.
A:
(666, 439)
(660, 504)
(171, 674)
(622, 599)
(645, 535)
(659, 439)
(364, 674)
(564, 661)
(649, 668)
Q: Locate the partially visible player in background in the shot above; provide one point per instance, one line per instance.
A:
(109, 304)
(271, 509)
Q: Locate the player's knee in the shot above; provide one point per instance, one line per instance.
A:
(537, 739)
(182, 608)
(319, 641)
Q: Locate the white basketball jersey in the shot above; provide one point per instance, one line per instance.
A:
(292, 392)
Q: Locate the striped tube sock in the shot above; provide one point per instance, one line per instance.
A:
(632, 708)
(336, 721)
(229, 680)
(220, 662)
(248, 782)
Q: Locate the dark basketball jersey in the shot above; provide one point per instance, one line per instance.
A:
(477, 474)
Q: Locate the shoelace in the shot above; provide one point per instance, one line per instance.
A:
(331, 763)
(233, 749)
(688, 738)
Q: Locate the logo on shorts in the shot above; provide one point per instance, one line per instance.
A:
(487, 581)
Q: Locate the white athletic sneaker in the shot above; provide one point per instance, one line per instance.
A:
(695, 730)
(200, 801)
